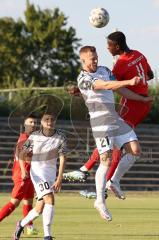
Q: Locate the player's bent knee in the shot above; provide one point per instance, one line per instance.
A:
(39, 210)
(49, 199)
(39, 206)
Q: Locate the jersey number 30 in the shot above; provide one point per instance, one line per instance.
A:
(44, 186)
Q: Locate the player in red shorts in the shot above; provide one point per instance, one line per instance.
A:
(129, 64)
(22, 190)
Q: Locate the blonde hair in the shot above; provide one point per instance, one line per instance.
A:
(86, 49)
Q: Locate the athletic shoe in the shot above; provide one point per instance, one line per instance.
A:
(78, 175)
(31, 231)
(103, 211)
(115, 188)
(88, 194)
(19, 229)
(92, 195)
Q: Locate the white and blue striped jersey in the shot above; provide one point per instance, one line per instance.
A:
(45, 151)
(108, 128)
(97, 101)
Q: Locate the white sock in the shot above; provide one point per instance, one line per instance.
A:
(124, 165)
(48, 213)
(100, 179)
(83, 169)
(30, 217)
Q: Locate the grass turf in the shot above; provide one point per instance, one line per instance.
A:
(136, 218)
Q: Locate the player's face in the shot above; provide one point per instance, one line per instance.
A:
(47, 121)
(89, 61)
(30, 125)
(113, 47)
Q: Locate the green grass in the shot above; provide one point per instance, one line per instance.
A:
(136, 218)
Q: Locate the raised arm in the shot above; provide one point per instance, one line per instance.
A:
(114, 85)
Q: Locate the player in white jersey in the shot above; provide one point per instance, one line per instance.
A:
(109, 130)
(46, 146)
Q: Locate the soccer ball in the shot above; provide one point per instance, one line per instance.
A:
(99, 17)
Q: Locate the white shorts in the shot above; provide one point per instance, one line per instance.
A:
(43, 181)
(111, 131)
(108, 143)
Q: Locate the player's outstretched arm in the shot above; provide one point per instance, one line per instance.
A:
(114, 85)
(125, 92)
(58, 182)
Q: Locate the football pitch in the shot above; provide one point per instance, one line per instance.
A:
(136, 218)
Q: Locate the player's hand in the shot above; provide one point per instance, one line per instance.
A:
(57, 185)
(73, 90)
(135, 80)
(147, 99)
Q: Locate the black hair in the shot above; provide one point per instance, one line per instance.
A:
(30, 116)
(50, 113)
(119, 38)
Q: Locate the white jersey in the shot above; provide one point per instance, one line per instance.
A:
(45, 151)
(94, 99)
(108, 128)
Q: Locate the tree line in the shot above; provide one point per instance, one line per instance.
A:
(41, 49)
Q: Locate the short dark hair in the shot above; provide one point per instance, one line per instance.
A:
(30, 116)
(119, 38)
(86, 49)
(50, 113)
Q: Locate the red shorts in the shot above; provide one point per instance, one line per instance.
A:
(23, 190)
(133, 112)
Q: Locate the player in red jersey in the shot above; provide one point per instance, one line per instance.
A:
(22, 190)
(129, 64)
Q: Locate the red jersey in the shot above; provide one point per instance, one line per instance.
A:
(133, 64)
(16, 171)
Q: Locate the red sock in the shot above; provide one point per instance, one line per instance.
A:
(6, 210)
(93, 159)
(26, 210)
(116, 155)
